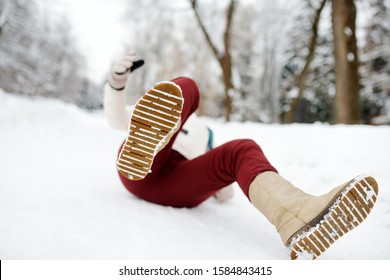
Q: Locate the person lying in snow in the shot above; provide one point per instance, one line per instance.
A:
(166, 159)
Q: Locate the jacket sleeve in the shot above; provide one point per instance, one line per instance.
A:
(115, 109)
(192, 141)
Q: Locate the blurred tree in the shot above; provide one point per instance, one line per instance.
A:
(347, 103)
(255, 53)
(271, 50)
(259, 56)
(224, 58)
(37, 54)
(375, 67)
(90, 95)
(246, 103)
(171, 46)
(4, 11)
(290, 115)
(307, 81)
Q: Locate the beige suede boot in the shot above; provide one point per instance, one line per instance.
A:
(307, 224)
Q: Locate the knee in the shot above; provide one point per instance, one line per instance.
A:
(245, 144)
(187, 84)
(190, 92)
(241, 147)
(185, 80)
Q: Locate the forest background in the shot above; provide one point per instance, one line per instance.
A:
(264, 61)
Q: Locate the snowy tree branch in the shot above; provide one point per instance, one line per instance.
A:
(301, 79)
(224, 59)
(229, 21)
(312, 46)
(4, 15)
(204, 30)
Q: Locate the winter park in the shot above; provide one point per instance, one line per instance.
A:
(307, 81)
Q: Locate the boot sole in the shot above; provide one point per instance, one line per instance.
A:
(156, 114)
(346, 211)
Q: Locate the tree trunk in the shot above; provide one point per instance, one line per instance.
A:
(290, 115)
(345, 50)
(224, 59)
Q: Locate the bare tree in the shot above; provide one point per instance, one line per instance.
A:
(345, 49)
(289, 116)
(224, 58)
(375, 63)
(4, 10)
(37, 53)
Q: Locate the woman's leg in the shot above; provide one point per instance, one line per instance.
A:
(190, 94)
(191, 101)
(309, 224)
(187, 183)
(196, 180)
(157, 117)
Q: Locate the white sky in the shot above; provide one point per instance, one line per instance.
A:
(98, 30)
(101, 35)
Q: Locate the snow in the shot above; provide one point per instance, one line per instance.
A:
(348, 31)
(60, 196)
(305, 256)
(350, 57)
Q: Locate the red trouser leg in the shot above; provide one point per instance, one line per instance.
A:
(178, 182)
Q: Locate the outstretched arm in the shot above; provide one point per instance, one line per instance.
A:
(115, 109)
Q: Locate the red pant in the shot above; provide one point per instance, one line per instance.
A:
(178, 182)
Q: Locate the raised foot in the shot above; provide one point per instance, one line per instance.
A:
(347, 210)
(156, 116)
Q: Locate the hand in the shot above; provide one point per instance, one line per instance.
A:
(121, 70)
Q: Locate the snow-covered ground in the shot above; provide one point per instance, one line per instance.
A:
(60, 196)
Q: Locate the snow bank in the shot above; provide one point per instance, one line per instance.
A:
(60, 196)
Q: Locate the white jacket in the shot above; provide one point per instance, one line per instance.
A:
(192, 141)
